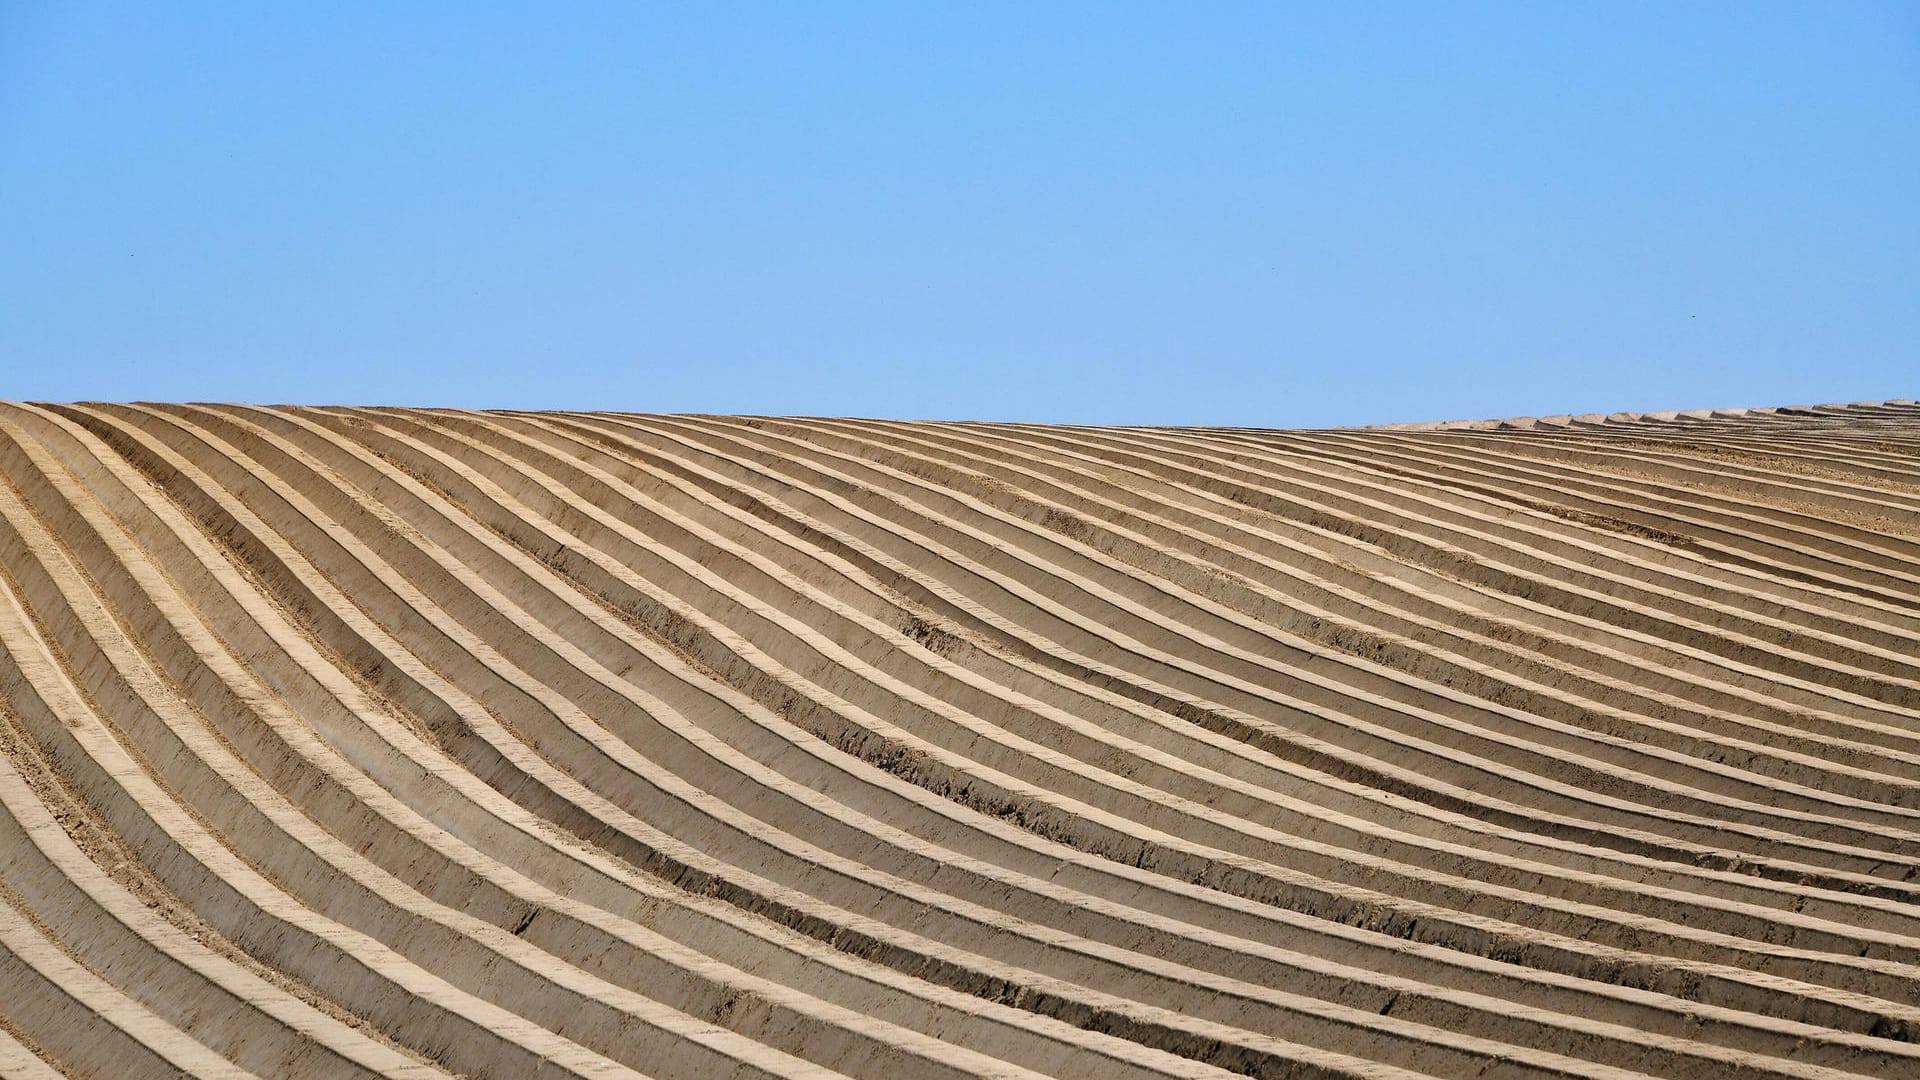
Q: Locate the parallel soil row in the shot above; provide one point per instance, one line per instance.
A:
(428, 743)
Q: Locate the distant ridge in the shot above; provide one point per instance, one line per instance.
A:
(421, 743)
(1897, 409)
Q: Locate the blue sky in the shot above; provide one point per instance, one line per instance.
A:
(1261, 214)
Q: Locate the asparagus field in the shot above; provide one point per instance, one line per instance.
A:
(341, 742)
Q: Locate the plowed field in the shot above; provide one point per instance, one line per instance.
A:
(347, 742)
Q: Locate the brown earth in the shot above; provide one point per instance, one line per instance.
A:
(351, 742)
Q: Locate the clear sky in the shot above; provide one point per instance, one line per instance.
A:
(1262, 214)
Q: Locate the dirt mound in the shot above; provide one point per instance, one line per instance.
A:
(393, 742)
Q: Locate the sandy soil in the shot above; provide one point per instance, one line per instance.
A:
(374, 742)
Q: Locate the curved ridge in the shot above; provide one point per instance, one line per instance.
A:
(391, 742)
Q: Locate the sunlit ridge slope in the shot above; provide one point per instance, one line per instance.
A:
(350, 742)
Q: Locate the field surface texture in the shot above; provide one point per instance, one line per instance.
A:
(379, 742)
